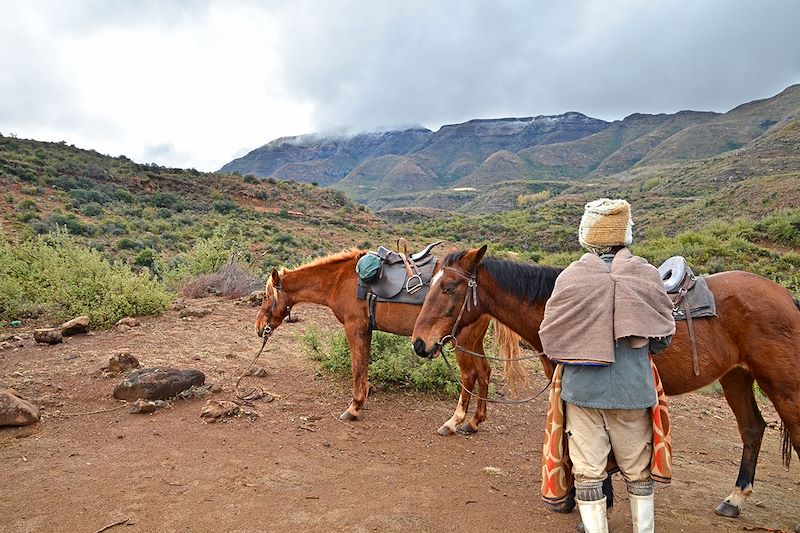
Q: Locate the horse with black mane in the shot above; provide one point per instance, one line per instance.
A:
(755, 337)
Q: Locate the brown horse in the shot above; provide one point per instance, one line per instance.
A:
(331, 281)
(756, 336)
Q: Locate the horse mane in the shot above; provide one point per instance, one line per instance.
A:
(529, 281)
(344, 255)
(351, 253)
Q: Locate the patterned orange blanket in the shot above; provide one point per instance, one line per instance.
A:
(556, 466)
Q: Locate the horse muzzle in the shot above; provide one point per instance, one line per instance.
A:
(421, 350)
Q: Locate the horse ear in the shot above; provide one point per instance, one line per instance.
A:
(276, 278)
(473, 258)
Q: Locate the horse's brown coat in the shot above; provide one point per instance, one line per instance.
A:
(331, 281)
(756, 337)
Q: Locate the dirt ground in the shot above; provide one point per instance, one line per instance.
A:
(297, 467)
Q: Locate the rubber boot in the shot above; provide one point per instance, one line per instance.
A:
(593, 515)
(642, 513)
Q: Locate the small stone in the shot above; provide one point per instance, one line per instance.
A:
(48, 335)
(128, 321)
(177, 306)
(494, 471)
(157, 383)
(71, 357)
(215, 387)
(254, 298)
(122, 362)
(230, 355)
(258, 371)
(143, 406)
(75, 326)
(122, 328)
(14, 411)
(194, 312)
(214, 410)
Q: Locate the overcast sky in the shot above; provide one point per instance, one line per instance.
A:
(196, 83)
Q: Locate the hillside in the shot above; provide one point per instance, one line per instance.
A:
(429, 167)
(143, 213)
(446, 155)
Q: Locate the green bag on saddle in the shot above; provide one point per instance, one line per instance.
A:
(368, 267)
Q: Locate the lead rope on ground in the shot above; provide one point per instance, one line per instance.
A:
(257, 392)
(507, 402)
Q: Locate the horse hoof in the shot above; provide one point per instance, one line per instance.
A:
(727, 510)
(445, 430)
(467, 429)
(348, 416)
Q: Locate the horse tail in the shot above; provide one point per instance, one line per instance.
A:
(786, 438)
(786, 445)
(509, 349)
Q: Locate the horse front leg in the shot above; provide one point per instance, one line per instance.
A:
(358, 339)
(738, 387)
(468, 376)
(484, 371)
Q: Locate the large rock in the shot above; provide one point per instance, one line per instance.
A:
(48, 335)
(14, 411)
(157, 383)
(75, 326)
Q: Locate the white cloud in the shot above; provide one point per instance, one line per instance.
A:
(194, 83)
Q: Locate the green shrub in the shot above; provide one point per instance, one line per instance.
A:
(53, 276)
(393, 364)
(92, 209)
(207, 256)
(224, 206)
(124, 195)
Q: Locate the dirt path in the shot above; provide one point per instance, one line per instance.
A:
(298, 468)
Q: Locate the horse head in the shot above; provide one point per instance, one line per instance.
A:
(451, 303)
(275, 306)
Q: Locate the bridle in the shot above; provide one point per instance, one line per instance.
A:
(265, 334)
(273, 305)
(472, 290)
(471, 297)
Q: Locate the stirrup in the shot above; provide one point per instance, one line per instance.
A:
(411, 289)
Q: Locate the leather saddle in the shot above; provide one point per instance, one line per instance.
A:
(691, 298)
(403, 278)
(686, 290)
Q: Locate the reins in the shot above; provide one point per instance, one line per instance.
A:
(472, 291)
(489, 400)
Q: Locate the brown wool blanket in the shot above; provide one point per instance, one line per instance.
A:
(591, 308)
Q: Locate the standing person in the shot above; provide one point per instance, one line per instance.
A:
(608, 312)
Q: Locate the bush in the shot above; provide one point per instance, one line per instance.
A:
(224, 206)
(206, 257)
(393, 364)
(231, 281)
(92, 209)
(54, 276)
